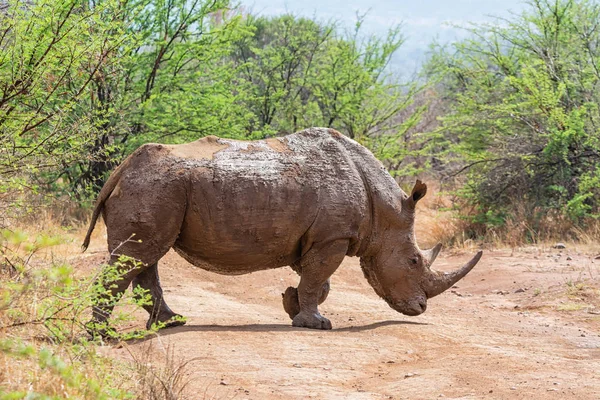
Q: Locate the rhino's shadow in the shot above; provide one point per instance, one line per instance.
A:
(269, 328)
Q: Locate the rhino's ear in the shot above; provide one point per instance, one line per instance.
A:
(419, 191)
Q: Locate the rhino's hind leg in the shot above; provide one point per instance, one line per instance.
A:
(143, 229)
(317, 265)
(157, 308)
(113, 281)
(291, 305)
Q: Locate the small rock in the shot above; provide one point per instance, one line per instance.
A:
(456, 293)
(559, 246)
(224, 383)
(298, 365)
(520, 290)
(597, 257)
(391, 362)
(513, 388)
(409, 375)
(569, 258)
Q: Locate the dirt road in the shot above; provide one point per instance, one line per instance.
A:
(520, 326)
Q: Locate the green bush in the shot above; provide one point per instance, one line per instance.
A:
(523, 98)
(44, 309)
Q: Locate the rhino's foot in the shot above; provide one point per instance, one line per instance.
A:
(312, 321)
(290, 302)
(166, 322)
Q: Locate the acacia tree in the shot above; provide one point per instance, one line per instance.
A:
(275, 71)
(353, 87)
(50, 53)
(299, 73)
(171, 84)
(524, 99)
(357, 92)
(82, 83)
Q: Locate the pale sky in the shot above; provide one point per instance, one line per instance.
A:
(423, 20)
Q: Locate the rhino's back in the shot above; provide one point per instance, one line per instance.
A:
(258, 205)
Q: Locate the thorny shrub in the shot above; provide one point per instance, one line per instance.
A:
(44, 306)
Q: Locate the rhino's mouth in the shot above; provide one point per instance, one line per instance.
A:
(411, 308)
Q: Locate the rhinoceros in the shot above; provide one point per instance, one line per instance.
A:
(306, 200)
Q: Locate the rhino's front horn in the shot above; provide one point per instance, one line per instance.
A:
(441, 281)
(432, 254)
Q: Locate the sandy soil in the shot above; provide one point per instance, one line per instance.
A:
(522, 325)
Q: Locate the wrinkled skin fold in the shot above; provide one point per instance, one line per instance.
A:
(306, 200)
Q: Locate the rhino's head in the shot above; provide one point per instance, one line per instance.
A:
(398, 270)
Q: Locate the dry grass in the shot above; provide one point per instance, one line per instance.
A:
(44, 352)
(37, 368)
(570, 307)
(161, 375)
(581, 296)
(437, 223)
(442, 219)
(584, 291)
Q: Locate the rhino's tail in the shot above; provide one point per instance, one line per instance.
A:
(104, 194)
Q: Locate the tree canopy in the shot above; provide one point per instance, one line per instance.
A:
(523, 116)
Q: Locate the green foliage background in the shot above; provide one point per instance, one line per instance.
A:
(523, 120)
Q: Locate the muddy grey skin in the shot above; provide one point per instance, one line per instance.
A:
(306, 200)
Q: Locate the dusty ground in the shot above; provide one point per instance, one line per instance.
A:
(523, 325)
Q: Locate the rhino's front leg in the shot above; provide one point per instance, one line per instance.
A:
(291, 305)
(316, 266)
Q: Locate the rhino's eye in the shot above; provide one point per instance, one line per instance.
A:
(414, 260)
